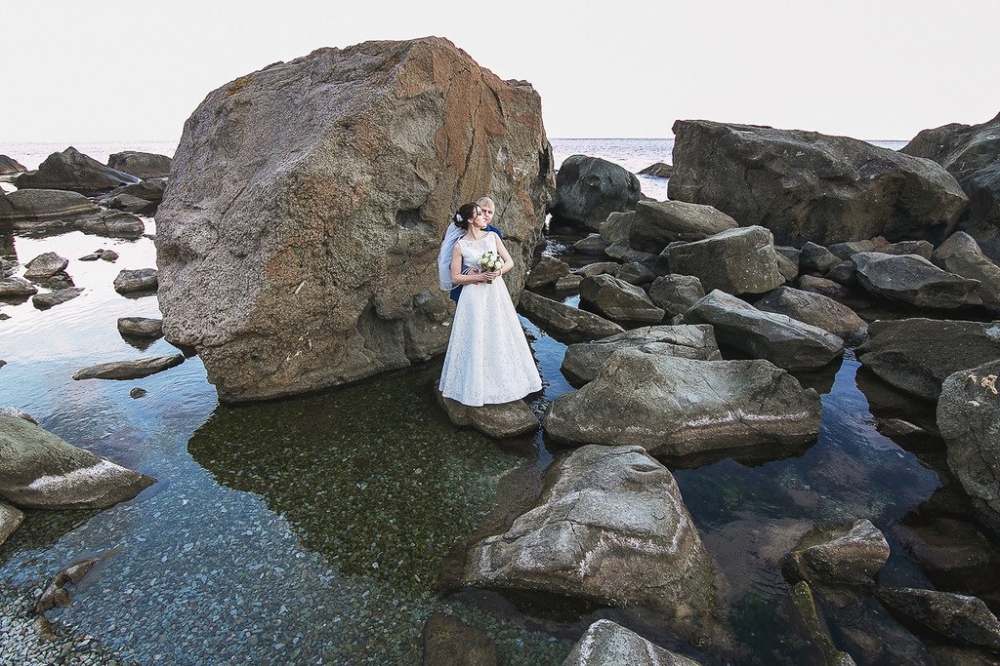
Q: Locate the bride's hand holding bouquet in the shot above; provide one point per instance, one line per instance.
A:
(491, 262)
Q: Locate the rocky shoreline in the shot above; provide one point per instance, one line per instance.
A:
(699, 320)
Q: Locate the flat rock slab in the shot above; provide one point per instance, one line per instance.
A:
(607, 643)
(53, 298)
(28, 206)
(611, 527)
(142, 367)
(679, 407)
(911, 279)
(583, 361)
(16, 287)
(565, 322)
(38, 470)
(510, 419)
(816, 310)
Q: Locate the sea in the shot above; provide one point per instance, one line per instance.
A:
(323, 529)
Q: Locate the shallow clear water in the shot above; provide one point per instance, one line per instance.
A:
(321, 529)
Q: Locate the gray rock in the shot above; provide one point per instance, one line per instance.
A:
(917, 355)
(844, 273)
(583, 361)
(133, 369)
(913, 280)
(131, 281)
(546, 273)
(588, 189)
(593, 244)
(18, 413)
(141, 165)
(970, 153)
(143, 327)
(598, 268)
(658, 170)
(448, 640)
(848, 249)
(617, 229)
(809, 624)
(675, 294)
(968, 415)
(15, 288)
(564, 322)
(9, 166)
(618, 300)
(611, 527)
(921, 248)
(844, 189)
(960, 255)
(126, 202)
(10, 520)
(45, 266)
(510, 419)
(635, 274)
(41, 471)
(738, 261)
(106, 255)
(53, 298)
(27, 208)
(818, 285)
(784, 341)
(840, 555)
(113, 225)
(955, 616)
(679, 407)
(74, 171)
(816, 310)
(788, 269)
(609, 644)
(568, 284)
(659, 223)
(817, 258)
(151, 190)
(327, 229)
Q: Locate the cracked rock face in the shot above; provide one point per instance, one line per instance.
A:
(300, 255)
(612, 527)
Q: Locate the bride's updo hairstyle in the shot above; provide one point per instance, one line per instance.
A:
(465, 215)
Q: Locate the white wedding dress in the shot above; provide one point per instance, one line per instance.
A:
(488, 360)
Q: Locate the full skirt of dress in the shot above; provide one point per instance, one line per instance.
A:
(488, 361)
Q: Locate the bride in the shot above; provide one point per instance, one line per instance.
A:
(488, 360)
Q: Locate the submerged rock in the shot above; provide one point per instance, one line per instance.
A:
(678, 407)
(72, 170)
(913, 280)
(448, 640)
(564, 322)
(327, 229)
(583, 361)
(41, 471)
(588, 189)
(133, 369)
(841, 555)
(917, 355)
(968, 415)
(53, 298)
(810, 626)
(806, 186)
(786, 342)
(609, 644)
(56, 594)
(611, 527)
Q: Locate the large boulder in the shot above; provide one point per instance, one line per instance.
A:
(807, 186)
(838, 555)
(618, 300)
(611, 527)
(816, 310)
(968, 415)
(583, 361)
(41, 471)
(786, 342)
(917, 355)
(74, 171)
(678, 407)
(961, 255)
(9, 166)
(606, 643)
(327, 229)
(564, 322)
(911, 279)
(737, 261)
(971, 153)
(141, 165)
(659, 223)
(25, 208)
(588, 189)
(955, 616)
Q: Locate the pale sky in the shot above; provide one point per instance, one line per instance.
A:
(92, 70)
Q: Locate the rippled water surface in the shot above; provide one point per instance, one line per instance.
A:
(323, 529)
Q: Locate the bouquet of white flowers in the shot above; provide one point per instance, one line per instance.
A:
(490, 262)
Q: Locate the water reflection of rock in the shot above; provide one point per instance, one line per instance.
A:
(372, 476)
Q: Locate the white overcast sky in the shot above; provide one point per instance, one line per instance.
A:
(81, 70)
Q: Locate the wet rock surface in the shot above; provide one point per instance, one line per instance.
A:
(609, 644)
(510, 419)
(959, 617)
(133, 369)
(842, 555)
(564, 321)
